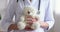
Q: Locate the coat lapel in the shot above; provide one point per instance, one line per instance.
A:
(43, 7)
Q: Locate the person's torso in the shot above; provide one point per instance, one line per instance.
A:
(35, 4)
(21, 5)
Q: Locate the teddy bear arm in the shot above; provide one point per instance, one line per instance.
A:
(22, 18)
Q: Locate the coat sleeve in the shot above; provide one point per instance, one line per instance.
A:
(9, 13)
(49, 18)
(47, 13)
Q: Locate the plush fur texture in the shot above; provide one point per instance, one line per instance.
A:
(28, 11)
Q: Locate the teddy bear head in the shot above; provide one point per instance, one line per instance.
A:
(29, 10)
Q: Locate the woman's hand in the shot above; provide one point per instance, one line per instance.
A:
(44, 24)
(13, 27)
(30, 21)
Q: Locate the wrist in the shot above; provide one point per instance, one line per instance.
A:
(44, 25)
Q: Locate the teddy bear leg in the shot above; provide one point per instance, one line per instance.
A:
(35, 25)
(21, 25)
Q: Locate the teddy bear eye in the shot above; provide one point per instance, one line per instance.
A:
(28, 12)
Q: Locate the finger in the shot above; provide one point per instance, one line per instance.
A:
(34, 20)
(29, 22)
(29, 19)
(28, 16)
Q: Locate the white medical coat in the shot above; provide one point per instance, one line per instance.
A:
(14, 8)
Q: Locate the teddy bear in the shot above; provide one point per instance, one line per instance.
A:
(28, 11)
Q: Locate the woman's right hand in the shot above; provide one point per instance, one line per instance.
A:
(13, 27)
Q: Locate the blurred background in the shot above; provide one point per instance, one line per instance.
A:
(56, 7)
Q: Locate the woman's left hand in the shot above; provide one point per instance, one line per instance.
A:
(30, 20)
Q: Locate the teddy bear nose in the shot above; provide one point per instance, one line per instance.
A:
(28, 12)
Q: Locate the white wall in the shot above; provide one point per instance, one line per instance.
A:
(56, 27)
(57, 16)
(57, 6)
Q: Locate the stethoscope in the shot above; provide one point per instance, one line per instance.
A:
(23, 0)
(38, 6)
(17, 1)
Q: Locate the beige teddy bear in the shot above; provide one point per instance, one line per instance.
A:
(28, 11)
